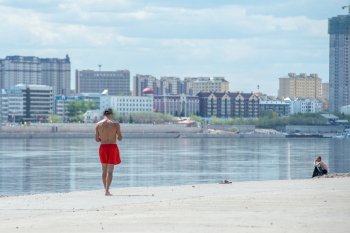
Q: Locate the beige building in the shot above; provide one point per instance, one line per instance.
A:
(206, 84)
(325, 91)
(300, 86)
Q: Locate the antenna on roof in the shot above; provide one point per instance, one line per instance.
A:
(99, 67)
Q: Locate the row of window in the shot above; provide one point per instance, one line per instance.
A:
(141, 105)
(133, 110)
(135, 100)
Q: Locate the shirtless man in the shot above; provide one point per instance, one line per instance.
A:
(321, 167)
(107, 133)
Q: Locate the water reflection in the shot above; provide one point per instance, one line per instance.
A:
(339, 153)
(62, 165)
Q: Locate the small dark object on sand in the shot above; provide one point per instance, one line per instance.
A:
(226, 182)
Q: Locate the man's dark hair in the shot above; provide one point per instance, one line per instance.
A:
(108, 111)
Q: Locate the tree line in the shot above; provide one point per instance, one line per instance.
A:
(267, 119)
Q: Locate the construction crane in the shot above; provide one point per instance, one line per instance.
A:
(348, 6)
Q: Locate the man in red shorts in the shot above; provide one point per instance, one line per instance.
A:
(107, 133)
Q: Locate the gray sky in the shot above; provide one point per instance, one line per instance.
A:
(250, 43)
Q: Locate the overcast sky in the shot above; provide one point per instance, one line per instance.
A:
(248, 42)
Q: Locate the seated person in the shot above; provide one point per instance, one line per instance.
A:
(320, 167)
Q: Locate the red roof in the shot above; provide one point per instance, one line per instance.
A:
(148, 90)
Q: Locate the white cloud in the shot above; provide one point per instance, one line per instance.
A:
(160, 22)
(225, 39)
(26, 22)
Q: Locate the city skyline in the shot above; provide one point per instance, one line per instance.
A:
(249, 44)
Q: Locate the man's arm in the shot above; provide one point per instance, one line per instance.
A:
(119, 133)
(97, 135)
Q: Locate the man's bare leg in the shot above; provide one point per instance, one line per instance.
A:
(104, 175)
(110, 168)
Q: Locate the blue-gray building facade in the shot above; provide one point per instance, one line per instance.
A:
(90, 81)
(339, 62)
(53, 72)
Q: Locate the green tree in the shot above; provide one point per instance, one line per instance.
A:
(77, 108)
(55, 119)
(269, 113)
(270, 119)
(148, 117)
(216, 121)
(196, 118)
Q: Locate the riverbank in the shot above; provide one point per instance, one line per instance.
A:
(136, 135)
(87, 130)
(311, 205)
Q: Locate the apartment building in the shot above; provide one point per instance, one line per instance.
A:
(205, 84)
(177, 105)
(176, 86)
(227, 104)
(170, 86)
(300, 86)
(29, 102)
(339, 62)
(280, 107)
(3, 106)
(140, 82)
(90, 81)
(52, 72)
(300, 105)
(325, 91)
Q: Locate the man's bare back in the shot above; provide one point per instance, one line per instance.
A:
(108, 131)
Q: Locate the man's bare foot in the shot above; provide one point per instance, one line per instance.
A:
(108, 193)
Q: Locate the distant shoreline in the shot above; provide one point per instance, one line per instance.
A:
(87, 130)
(133, 135)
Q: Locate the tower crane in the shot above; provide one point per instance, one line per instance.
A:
(348, 6)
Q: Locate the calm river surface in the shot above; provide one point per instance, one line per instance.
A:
(62, 165)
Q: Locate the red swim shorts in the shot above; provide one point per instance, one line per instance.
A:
(109, 154)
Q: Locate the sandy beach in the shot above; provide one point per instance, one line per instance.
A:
(311, 205)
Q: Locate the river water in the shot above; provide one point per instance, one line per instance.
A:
(30, 166)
